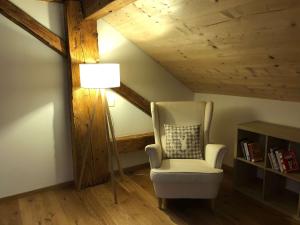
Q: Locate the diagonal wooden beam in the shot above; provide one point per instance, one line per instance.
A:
(52, 40)
(42, 33)
(21, 18)
(133, 97)
(96, 9)
(133, 143)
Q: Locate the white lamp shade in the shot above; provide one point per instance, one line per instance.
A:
(99, 75)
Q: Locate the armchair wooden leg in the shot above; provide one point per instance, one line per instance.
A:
(212, 203)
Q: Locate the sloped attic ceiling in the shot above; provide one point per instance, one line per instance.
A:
(236, 47)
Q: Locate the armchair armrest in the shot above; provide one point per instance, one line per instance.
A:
(154, 154)
(214, 155)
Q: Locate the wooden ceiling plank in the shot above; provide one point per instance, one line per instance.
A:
(247, 43)
(96, 9)
(25, 21)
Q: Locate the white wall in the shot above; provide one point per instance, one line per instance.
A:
(34, 118)
(34, 131)
(231, 110)
(141, 73)
(138, 70)
(51, 15)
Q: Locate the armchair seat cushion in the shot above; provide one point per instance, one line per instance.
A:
(186, 171)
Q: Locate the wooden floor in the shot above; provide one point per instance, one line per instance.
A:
(94, 206)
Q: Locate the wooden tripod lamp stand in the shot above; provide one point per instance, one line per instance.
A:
(100, 77)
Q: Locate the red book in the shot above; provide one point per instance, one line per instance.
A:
(255, 152)
(290, 160)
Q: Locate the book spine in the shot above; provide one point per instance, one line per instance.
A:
(282, 162)
(247, 151)
(251, 152)
(257, 153)
(243, 150)
(295, 161)
(290, 160)
(271, 161)
(274, 160)
(279, 161)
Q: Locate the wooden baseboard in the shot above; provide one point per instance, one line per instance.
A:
(67, 184)
(227, 169)
(49, 188)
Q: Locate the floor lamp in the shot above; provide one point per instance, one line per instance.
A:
(101, 77)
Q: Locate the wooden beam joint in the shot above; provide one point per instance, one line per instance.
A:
(96, 9)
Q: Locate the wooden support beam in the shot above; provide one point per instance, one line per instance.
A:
(52, 40)
(133, 143)
(134, 98)
(21, 18)
(96, 9)
(83, 47)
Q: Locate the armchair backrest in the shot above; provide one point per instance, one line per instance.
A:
(181, 113)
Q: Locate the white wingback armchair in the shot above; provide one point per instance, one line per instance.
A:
(184, 178)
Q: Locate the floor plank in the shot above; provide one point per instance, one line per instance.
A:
(10, 212)
(137, 206)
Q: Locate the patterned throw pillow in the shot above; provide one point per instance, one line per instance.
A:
(182, 142)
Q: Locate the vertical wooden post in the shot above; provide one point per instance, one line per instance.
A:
(83, 48)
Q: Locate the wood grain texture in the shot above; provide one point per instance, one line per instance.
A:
(243, 48)
(138, 205)
(96, 9)
(273, 130)
(58, 1)
(22, 19)
(133, 97)
(83, 48)
(133, 143)
(49, 188)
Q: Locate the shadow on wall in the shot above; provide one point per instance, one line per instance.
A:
(57, 22)
(34, 79)
(224, 126)
(56, 18)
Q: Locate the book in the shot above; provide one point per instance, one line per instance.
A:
(243, 150)
(290, 160)
(274, 159)
(282, 161)
(271, 160)
(255, 152)
(279, 156)
(246, 150)
(251, 155)
(278, 160)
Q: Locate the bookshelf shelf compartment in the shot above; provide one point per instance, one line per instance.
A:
(277, 194)
(293, 175)
(250, 137)
(250, 179)
(260, 164)
(258, 179)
